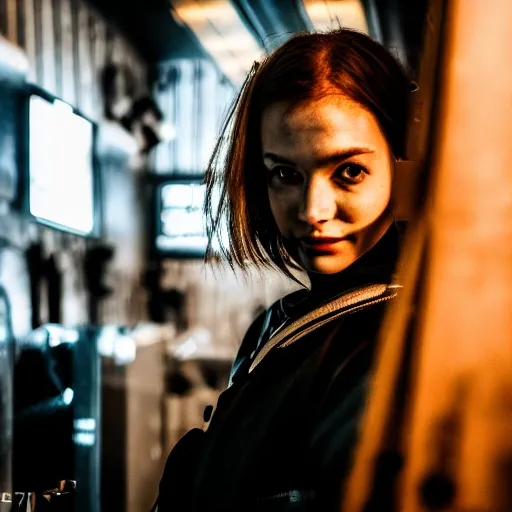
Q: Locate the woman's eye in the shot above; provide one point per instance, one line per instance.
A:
(286, 175)
(351, 173)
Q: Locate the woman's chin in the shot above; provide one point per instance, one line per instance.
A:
(327, 264)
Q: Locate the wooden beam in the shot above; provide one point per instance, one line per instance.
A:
(458, 411)
(465, 331)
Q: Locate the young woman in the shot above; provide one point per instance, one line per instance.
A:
(306, 181)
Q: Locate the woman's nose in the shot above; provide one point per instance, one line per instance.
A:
(318, 201)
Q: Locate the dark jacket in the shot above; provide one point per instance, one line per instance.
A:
(282, 437)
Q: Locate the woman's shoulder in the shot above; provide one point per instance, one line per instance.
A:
(264, 325)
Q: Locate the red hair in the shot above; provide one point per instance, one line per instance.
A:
(307, 66)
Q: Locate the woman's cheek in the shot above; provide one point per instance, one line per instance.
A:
(370, 205)
(284, 210)
(277, 213)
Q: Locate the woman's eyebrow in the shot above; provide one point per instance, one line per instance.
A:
(277, 159)
(340, 156)
(324, 160)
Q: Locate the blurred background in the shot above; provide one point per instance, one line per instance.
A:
(114, 335)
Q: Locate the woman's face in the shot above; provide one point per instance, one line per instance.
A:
(329, 180)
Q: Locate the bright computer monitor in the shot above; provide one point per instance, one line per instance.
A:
(61, 166)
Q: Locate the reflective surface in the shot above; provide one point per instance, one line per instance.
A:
(56, 427)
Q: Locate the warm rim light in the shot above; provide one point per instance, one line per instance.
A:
(331, 14)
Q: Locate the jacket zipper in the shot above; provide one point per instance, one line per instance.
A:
(356, 299)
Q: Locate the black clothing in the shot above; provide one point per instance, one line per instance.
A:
(281, 437)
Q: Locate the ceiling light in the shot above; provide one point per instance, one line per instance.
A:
(333, 14)
(222, 33)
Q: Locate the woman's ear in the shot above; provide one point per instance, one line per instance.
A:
(403, 191)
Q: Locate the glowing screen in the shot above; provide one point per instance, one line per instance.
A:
(181, 217)
(61, 166)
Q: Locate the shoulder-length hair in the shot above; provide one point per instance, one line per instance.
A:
(308, 66)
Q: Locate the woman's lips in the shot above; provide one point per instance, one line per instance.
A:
(321, 244)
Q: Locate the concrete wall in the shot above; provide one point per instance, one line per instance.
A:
(67, 45)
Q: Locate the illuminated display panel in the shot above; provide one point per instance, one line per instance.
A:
(180, 226)
(181, 218)
(61, 169)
